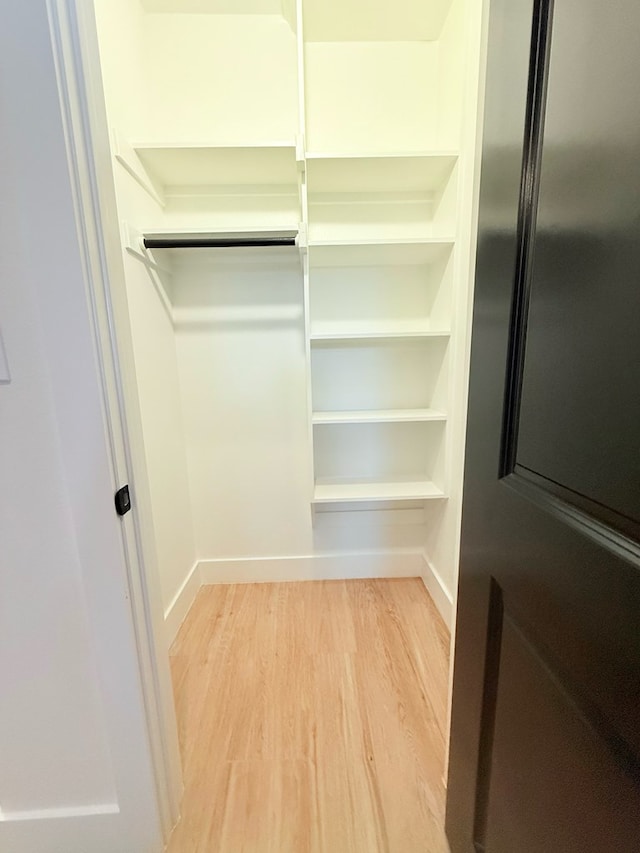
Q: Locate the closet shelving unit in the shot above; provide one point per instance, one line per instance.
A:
(382, 224)
(366, 181)
(382, 208)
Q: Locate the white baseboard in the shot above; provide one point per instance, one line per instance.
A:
(176, 612)
(392, 564)
(438, 591)
(345, 566)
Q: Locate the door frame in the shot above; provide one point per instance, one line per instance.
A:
(75, 50)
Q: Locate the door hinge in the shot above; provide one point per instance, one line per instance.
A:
(123, 500)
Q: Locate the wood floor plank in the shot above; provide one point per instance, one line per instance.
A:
(259, 793)
(349, 809)
(312, 718)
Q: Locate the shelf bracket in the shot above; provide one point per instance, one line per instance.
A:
(303, 239)
(129, 160)
(133, 241)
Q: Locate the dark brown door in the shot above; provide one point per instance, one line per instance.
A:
(545, 749)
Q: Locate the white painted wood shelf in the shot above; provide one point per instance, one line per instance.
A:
(384, 252)
(379, 416)
(178, 165)
(214, 7)
(422, 172)
(362, 491)
(398, 332)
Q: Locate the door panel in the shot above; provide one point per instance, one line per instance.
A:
(545, 723)
(554, 770)
(581, 429)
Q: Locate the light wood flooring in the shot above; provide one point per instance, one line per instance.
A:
(311, 719)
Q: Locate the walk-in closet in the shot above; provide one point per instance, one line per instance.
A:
(296, 187)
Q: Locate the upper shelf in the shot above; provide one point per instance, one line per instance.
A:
(215, 7)
(368, 253)
(179, 165)
(395, 173)
(385, 20)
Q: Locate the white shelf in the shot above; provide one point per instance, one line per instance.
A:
(256, 231)
(379, 416)
(357, 253)
(419, 172)
(215, 7)
(400, 331)
(196, 165)
(356, 491)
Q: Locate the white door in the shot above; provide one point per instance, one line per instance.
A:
(76, 769)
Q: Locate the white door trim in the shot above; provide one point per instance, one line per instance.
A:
(75, 49)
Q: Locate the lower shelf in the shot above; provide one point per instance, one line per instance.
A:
(357, 491)
(378, 416)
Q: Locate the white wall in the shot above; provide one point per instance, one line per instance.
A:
(371, 96)
(220, 78)
(239, 331)
(462, 54)
(209, 78)
(156, 368)
(124, 72)
(121, 27)
(75, 768)
(453, 55)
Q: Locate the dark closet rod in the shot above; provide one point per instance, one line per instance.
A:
(220, 241)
